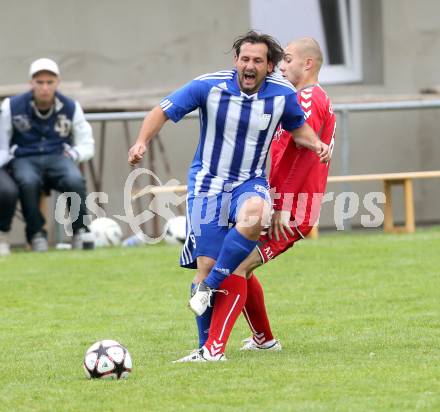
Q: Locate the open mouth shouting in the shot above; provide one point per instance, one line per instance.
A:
(249, 80)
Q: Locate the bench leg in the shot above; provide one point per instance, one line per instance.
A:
(410, 226)
(313, 234)
(44, 208)
(388, 223)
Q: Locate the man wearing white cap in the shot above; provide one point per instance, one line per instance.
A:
(46, 135)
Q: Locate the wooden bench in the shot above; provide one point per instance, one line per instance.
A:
(389, 180)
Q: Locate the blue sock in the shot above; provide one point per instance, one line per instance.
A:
(235, 249)
(203, 322)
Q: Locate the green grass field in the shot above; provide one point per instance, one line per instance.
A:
(358, 316)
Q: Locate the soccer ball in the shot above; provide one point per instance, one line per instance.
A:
(175, 230)
(106, 232)
(107, 359)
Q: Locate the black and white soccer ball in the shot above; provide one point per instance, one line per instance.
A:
(106, 232)
(175, 230)
(107, 359)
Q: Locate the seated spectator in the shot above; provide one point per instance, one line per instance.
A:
(47, 135)
(8, 200)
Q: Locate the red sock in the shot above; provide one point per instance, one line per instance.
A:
(227, 308)
(255, 311)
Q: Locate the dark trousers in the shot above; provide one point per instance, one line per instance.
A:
(34, 174)
(8, 200)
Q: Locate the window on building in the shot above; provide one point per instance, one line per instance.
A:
(335, 24)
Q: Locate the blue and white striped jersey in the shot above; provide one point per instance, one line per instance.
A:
(235, 129)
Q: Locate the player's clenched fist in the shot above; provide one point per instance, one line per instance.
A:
(136, 153)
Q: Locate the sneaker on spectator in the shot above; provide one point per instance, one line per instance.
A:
(39, 242)
(83, 239)
(5, 250)
(77, 242)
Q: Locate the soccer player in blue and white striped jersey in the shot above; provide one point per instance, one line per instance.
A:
(240, 110)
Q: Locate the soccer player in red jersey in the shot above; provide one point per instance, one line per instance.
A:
(298, 180)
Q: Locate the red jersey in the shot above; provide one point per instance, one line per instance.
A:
(296, 173)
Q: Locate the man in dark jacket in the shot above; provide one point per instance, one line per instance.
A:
(47, 136)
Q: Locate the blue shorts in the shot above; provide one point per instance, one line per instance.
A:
(209, 218)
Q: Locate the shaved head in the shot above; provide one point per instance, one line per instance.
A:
(307, 47)
(301, 62)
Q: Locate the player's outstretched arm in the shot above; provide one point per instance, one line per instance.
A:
(306, 137)
(151, 126)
